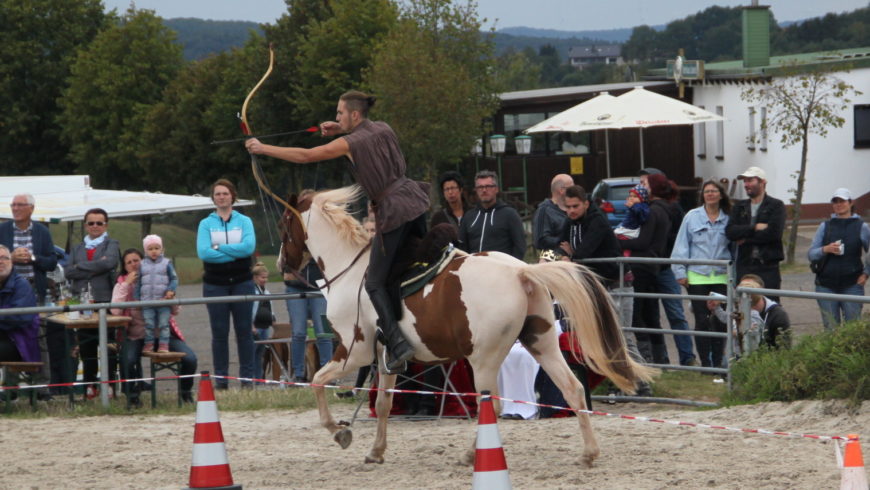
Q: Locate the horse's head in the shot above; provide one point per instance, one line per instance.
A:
(293, 233)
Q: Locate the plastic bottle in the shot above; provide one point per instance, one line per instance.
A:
(49, 297)
(86, 300)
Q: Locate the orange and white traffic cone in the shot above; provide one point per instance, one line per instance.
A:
(490, 466)
(209, 467)
(854, 476)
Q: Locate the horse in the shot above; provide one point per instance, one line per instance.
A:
(475, 308)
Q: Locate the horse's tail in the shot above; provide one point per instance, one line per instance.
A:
(585, 300)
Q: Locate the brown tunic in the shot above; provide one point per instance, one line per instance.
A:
(379, 167)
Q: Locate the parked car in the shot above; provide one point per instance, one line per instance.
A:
(610, 194)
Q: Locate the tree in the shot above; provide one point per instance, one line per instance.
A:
(36, 51)
(434, 76)
(516, 70)
(799, 104)
(113, 83)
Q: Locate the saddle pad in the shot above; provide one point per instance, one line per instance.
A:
(420, 274)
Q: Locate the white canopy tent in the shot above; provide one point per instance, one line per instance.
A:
(65, 198)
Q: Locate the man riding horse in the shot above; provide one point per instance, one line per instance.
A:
(377, 163)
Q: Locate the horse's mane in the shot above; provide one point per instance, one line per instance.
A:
(333, 205)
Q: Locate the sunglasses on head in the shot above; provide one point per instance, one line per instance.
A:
(96, 223)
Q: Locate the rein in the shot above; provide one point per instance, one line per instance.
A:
(352, 263)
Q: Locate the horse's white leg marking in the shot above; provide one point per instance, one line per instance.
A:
(383, 404)
(330, 371)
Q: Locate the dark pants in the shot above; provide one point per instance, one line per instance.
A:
(768, 273)
(89, 342)
(646, 310)
(710, 350)
(131, 364)
(385, 247)
(58, 356)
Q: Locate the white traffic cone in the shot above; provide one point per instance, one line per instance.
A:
(209, 467)
(490, 466)
(854, 476)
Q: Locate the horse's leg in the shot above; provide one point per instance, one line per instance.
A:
(383, 405)
(330, 371)
(485, 379)
(554, 364)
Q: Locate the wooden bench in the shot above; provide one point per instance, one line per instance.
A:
(164, 361)
(26, 370)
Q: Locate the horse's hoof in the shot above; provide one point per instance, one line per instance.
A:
(587, 461)
(372, 459)
(343, 437)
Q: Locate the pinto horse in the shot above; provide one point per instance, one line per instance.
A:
(475, 308)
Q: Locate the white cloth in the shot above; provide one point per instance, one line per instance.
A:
(516, 380)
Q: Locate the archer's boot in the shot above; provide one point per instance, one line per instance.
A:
(396, 346)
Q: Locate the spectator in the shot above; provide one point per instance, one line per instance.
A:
(491, 226)
(17, 332)
(702, 236)
(756, 226)
(92, 267)
(453, 203)
(131, 363)
(587, 234)
(304, 309)
(33, 256)
(769, 322)
(652, 242)
(837, 248)
(665, 280)
(369, 225)
(157, 280)
(638, 211)
(261, 317)
(516, 380)
(225, 242)
(550, 217)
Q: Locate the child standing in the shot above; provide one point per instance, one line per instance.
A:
(157, 280)
(263, 318)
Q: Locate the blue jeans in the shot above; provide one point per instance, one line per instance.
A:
(131, 364)
(159, 318)
(219, 317)
(837, 312)
(260, 334)
(300, 311)
(667, 284)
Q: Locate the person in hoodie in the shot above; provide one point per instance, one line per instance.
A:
(17, 332)
(492, 225)
(838, 244)
(225, 242)
(550, 216)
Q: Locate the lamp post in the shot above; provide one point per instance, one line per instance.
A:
(524, 147)
(497, 142)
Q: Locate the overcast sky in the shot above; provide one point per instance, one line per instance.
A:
(567, 15)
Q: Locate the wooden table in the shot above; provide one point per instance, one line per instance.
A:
(99, 320)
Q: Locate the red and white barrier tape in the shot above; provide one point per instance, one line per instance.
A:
(450, 393)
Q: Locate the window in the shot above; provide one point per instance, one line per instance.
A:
(752, 133)
(762, 145)
(862, 126)
(720, 135)
(701, 138)
(543, 143)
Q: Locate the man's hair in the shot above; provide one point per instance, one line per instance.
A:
(448, 176)
(576, 192)
(486, 174)
(27, 197)
(97, 211)
(355, 100)
(226, 183)
(754, 278)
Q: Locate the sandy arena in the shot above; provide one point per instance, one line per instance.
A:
(270, 449)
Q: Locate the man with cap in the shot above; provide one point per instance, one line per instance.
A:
(756, 226)
(666, 282)
(837, 246)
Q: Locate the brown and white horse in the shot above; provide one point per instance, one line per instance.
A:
(475, 309)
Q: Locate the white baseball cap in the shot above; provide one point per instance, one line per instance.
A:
(753, 172)
(843, 194)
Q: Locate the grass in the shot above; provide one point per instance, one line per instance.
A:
(178, 242)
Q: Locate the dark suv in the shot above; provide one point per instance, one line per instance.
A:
(610, 194)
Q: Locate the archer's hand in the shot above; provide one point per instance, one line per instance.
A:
(254, 146)
(329, 128)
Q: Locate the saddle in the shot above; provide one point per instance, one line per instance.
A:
(420, 260)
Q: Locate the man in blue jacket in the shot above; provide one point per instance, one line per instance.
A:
(17, 332)
(30, 242)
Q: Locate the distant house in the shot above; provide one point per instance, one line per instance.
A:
(608, 54)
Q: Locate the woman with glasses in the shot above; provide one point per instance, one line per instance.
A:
(702, 236)
(837, 248)
(92, 267)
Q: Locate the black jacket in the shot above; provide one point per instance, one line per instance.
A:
(547, 225)
(768, 242)
(497, 229)
(592, 237)
(653, 238)
(675, 214)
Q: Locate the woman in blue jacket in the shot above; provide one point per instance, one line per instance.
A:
(225, 242)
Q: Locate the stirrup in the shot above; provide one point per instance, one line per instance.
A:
(385, 364)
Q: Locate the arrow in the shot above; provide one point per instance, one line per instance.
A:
(312, 129)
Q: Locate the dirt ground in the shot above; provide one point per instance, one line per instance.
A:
(274, 449)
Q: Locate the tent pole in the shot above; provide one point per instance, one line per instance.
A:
(607, 149)
(640, 132)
